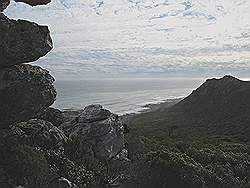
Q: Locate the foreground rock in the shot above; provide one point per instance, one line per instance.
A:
(40, 133)
(25, 91)
(4, 4)
(36, 133)
(22, 41)
(96, 131)
(35, 2)
(52, 115)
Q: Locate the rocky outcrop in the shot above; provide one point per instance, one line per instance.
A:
(11, 136)
(4, 4)
(98, 132)
(40, 133)
(25, 91)
(36, 140)
(22, 41)
(36, 133)
(93, 113)
(52, 115)
(35, 2)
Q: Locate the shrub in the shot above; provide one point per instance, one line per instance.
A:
(25, 165)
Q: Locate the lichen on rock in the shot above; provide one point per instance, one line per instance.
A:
(25, 91)
(22, 41)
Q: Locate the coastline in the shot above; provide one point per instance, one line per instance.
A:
(126, 118)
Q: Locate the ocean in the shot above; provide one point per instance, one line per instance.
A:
(121, 96)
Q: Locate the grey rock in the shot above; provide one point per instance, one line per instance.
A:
(94, 113)
(123, 155)
(52, 115)
(11, 136)
(22, 41)
(25, 91)
(35, 2)
(40, 133)
(98, 130)
(61, 183)
(4, 4)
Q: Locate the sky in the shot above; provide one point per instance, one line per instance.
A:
(143, 38)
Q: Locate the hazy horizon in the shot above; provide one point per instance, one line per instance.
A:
(141, 38)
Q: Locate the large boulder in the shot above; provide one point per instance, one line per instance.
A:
(96, 131)
(40, 133)
(22, 41)
(25, 91)
(94, 113)
(4, 4)
(35, 2)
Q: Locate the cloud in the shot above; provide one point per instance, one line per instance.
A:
(142, 37)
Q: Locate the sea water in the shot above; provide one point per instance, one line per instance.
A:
(121, 96)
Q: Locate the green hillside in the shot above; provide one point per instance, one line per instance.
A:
(201, 142)
(218, 108)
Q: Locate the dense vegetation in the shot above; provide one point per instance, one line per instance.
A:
(200, 142)
(203, 141)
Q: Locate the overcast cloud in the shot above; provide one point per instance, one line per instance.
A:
(111, 38)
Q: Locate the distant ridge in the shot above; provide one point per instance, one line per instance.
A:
(218, 108)
(227, 97)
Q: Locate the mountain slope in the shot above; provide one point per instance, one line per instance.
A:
(218, 99)
(218, 108)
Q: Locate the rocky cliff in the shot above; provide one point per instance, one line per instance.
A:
(39, 144)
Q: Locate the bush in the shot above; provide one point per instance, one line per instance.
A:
(172, 169)
(25, 166)
(208, 167)
(64, 167)
(81, 154)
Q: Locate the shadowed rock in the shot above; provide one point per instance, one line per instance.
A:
(52, 115)
(35, 2)
(40, 133)
(25, 91)
(22, 41)
(4, 4)
(35, 132)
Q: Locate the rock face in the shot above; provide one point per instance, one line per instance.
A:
(35, 2)
(11, 136)
(93, 113)
(52, 115)
(22, 41)
(4, 4)
(42, 134)
(25, 91)
(99, 132)
(35, 132)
